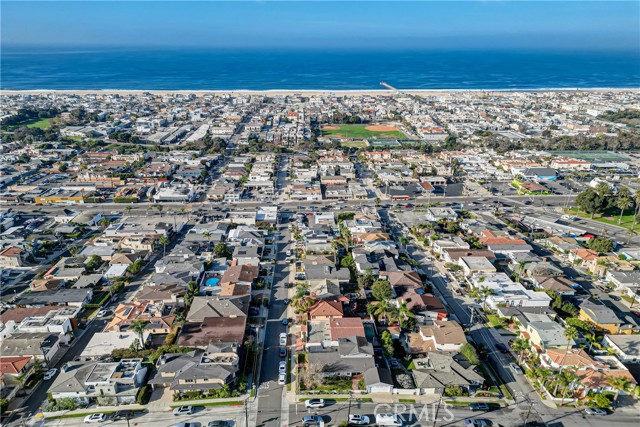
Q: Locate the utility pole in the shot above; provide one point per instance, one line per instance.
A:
(526, 419)
(349, 410)
(435, 417)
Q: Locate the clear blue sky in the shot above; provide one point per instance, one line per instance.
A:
(423, 24)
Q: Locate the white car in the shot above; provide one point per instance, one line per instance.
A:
(283, 338)
(102, 313)
(183, 410)
(282, 367)
(282, 378)
(50, 374)
(515, 368)
(358, 420)
(95, 418)
(595, 411)
(314, 403)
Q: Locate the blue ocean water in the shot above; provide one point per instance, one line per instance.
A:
(201, 69)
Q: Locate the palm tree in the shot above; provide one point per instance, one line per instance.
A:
(163, 241)
(520, 346)
(484, 292)
(138, 326)
(208, 236)
(544, 375)
(570, 333)
(623, 203)
(592, 338)
(636, 199)
(193, 288)
(619, 384)
(403, 241)
(566, 378)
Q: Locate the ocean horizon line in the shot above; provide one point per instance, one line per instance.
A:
(390, 91)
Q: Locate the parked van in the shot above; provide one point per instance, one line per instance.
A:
(388, 420)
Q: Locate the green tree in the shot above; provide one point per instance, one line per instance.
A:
(221, 250)
(376, 201)
(619, 384)
(164, 240)
(588, 201)
(520, 345)
(365, 281)
(623, 201)
(565, 379)
(601, 245)
(138, 326)
(469, 352)
(93, 263)
(382, 290)
(387, 343)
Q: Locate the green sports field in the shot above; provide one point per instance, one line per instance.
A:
(42, 124)
(362, 132)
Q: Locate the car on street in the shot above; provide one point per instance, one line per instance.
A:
(285, 322)
(220, 423)
(124, 414)
(358, 420)
(477, 422)
(283, 352)
(286, 301)
(314, 403)
(595, 411)
(288, 252)
(312, 421)
(50, 374)
(183, 410)
(615, 297)
(95, 418)
(102, 313)
(515, 368)
(283, 338)
(282, 378)
(190, 424)
(479, 407)
(502, 348)
(282, 367)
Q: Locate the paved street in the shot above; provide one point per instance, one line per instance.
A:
(270, 393)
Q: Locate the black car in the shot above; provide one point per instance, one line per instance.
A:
(124, 414)
(479, 407)
(502, 348)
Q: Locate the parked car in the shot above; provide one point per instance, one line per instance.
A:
(50, 374)
(314, 403)
(283, 338)
(502, 348)
(285, 322)
(515, 368)
(124, 414)
(615, 297)
(220, 423)
(282, 367)
(477, 422)
(95, 418)
(186, 425)
(595, 411)
(282, 378)
(312, 421)
(358, 420)
(479, 407)
(183, 410)
(283, 352)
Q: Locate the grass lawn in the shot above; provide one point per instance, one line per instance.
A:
(361, 132)
(41, 124)
(354, 144)
(494, 321)
(627, 219)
